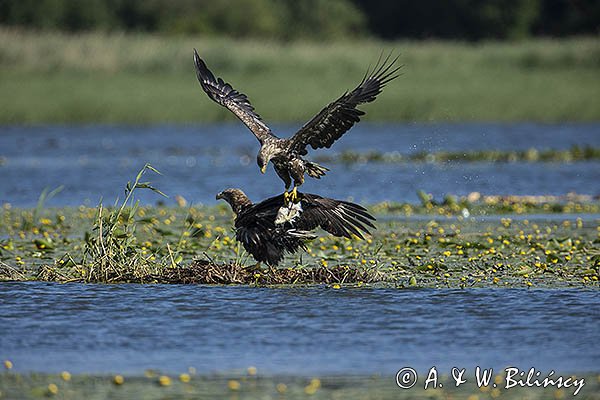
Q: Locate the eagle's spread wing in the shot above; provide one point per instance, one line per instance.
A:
(236, 102)
(339, 116)
(340, 218)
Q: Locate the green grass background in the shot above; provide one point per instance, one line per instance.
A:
(141, 78)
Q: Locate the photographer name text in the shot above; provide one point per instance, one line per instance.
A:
(511, 377)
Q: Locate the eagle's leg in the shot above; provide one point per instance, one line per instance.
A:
(288, 195)
(298, 175)
(287, 180)
(291, 196)
(294, 195)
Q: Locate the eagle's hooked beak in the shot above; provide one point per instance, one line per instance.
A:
(219, 196)
(263, 169)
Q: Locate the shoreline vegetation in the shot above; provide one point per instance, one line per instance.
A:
(574, 154)
(253, 384)
(531, 155)
(468, 241)
(144, 78)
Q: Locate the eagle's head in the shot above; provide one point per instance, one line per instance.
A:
(265, 155)
(230, 195)
(236, 199)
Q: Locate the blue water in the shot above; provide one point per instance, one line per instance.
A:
(95, 162)
(304, 331)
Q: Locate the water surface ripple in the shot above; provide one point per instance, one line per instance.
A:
(95, 162)
(315, 330)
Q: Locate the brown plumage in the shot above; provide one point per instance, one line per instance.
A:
(320, 132)
(268, 241)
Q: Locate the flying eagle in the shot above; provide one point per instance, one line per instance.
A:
(321, 131)
(268, 231)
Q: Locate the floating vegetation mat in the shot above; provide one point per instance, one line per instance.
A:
(574, 154)
(429, 245)
(202, 271)
(252, 385)
(131, 243)
(476, 204)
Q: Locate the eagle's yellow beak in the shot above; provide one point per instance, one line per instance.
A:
(263, 169)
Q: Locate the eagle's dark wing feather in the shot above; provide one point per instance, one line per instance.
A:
(268, 242)
(340, 218)
(236, 102)
(339, 116)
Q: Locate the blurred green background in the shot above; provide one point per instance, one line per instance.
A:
(313, 19)
(118, 61)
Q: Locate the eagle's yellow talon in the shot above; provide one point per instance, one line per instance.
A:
(286, 197)
(294, 195)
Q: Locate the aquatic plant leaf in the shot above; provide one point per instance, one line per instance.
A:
(44, 245)
(146, 185)
(151, 168)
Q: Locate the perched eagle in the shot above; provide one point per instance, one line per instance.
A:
(321, 131)
(268, 231)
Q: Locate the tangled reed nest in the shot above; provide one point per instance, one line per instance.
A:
(208, 272)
